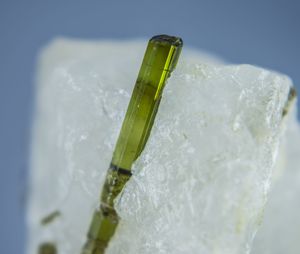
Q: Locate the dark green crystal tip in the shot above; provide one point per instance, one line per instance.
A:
(166, 39)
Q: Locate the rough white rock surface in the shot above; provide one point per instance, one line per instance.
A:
(280, 231)
(200, 186)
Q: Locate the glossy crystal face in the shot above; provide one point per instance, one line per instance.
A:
(159, 60)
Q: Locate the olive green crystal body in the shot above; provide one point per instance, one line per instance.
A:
(159, 61)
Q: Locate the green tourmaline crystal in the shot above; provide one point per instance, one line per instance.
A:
(160, 60)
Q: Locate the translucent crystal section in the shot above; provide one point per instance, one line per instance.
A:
(159, 61)
(201, 183)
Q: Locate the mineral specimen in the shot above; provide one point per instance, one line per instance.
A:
(202, 181)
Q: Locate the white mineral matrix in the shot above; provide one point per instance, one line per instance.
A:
(219, 145)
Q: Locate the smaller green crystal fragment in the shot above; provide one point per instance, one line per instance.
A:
(159, 61)
(47, 248)
(292, 96)
(50, 218)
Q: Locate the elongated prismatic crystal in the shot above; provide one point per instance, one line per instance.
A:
(159, 61)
